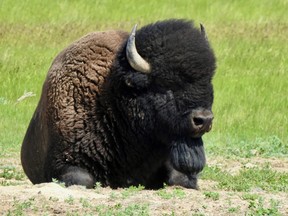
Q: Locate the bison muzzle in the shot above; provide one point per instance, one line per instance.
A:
(125, 109)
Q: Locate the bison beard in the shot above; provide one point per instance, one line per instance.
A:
(187, 155)
(122, 116)
(188, 159)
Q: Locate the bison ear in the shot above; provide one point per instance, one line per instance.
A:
(136, 81)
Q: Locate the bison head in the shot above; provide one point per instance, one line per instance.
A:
(161, 93)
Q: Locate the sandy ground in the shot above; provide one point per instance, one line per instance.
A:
(54, 199)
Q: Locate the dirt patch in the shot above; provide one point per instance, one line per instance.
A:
(54, 199)
(233, 166)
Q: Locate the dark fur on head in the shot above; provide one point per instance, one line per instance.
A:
(183, 65)
(153, 109)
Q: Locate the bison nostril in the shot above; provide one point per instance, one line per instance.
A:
(198, 121)
(202, 120)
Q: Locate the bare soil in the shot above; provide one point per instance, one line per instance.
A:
(20, 197)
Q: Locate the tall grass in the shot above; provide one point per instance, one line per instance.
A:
(249, 39)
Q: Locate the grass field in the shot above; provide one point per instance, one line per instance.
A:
(251, 84)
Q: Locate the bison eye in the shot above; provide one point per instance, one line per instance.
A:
(128, 82)
(136, 80)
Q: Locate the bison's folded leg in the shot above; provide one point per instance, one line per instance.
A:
(181, 179)
(77, 176)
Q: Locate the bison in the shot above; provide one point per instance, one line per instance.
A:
(125, 109)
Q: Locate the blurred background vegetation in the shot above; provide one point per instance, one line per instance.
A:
(249, 39)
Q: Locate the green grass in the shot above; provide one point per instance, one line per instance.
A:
(19, 207)
(250, 42)
(80, 206)
(248, 38)
(248, 179)
(118, 209)
(70, 200)
(257, 208)
(176, 192)
(132, 190)
(211, 195)
(10, 172)
(270, 146)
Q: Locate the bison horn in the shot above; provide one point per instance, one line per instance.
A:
(134, 59)
(203, 32)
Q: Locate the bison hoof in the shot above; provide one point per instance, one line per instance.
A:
(77, 176)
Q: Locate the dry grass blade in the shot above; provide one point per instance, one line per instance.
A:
(24, 96)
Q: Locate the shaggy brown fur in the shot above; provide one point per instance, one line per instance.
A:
(71, 87)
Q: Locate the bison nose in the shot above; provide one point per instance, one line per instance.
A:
(201, 120)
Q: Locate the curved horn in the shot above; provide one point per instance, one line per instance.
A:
(134, 59)
(203, 32)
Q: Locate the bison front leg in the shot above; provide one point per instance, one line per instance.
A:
(187, 159)
(76, 176)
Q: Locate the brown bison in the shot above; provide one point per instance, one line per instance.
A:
(124, 109)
